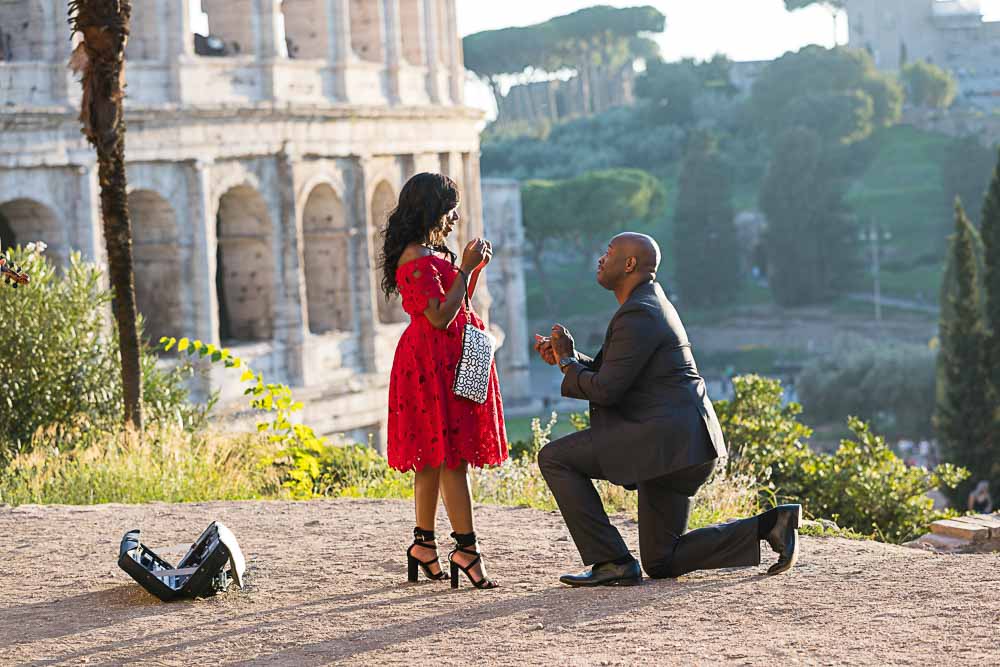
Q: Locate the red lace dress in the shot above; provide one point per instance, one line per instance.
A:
(428, 423)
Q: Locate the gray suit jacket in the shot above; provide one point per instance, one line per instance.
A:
(649, 411)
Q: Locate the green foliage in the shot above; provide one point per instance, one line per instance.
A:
(893, 387)
(166, 464)
(966, 166)
(672, 87)
(965, 410)
(766, 440)
(586, 211)
(601, 36)
(928, 85)
(991, 259)
(841, 76)
(840, 116)
(704, 227)
(60, 362)
(864, 486)
(810, 238)
(317, 469)
(620, 137)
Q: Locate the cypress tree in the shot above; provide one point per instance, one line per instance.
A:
(990, 232)
(964, 412)
(707, 261)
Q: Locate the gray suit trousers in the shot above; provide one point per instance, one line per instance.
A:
(569, 465)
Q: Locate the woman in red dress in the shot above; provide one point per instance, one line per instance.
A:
(432, 431)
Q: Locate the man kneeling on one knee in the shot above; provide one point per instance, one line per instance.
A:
(653, 429)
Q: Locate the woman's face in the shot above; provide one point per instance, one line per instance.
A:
(450, 221)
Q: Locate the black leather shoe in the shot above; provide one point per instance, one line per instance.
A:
(606, 574)
(784, 537)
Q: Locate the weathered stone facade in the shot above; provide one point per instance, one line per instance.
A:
(948, 33)
(257, 180)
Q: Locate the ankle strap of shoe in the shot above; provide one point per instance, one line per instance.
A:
(421, 535)
(464, 539)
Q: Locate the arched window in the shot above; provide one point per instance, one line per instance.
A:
(326, 249)
(24, 221)
(383, 201)
(159, 276)
(245, 273)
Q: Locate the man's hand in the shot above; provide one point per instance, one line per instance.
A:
(562, 342)
(543, 345)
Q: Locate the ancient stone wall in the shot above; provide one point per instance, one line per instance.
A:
(258, 179)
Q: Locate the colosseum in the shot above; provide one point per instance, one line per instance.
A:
(262, 159)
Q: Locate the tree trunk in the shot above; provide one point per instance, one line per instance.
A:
(497, 97)
(100, 59)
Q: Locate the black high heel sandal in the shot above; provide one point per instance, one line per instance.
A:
(463, 542)
(423, 538)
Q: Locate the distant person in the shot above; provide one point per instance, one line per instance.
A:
(980, 500)
(653, 428)
(433, 431)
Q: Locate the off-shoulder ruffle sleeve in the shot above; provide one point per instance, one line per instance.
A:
(420, 283)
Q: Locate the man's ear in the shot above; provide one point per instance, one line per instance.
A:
(630, 264)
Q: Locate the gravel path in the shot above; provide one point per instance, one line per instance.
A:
(326, 584)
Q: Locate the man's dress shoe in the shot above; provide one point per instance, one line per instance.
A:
(606, 574)
(784, 537)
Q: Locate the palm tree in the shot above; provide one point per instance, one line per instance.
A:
(100, 61)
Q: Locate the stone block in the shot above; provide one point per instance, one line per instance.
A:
(991, 521)
(966, 531)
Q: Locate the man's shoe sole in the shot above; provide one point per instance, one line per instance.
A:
(625, 581)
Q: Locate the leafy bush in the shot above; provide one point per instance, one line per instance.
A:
(863, 486)
(59, 359)
(165, 464)
(890, 386)
(928, 85)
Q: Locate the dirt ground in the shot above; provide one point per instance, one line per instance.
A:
(326, 584)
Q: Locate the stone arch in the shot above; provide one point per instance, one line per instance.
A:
(24, 221)
(306, 23)
(232, 22)
(411, 19)
(23, 30)
(159, 276)
(326, 253)
(245, 270)
(367, 30)
(144, 39)
(382, 203)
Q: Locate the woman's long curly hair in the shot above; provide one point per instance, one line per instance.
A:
(419, 218)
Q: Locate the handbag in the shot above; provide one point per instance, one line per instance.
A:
(472, 375)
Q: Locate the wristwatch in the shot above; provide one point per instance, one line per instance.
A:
(565, 361)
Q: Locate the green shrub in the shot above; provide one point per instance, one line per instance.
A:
(928, 85)
(863, 486)
(59, 359)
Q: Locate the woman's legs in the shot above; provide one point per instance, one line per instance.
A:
(426, 483)
(457, 493)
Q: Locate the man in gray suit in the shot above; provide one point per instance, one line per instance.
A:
(653, 429)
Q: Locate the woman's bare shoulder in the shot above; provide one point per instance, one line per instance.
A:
(414, 251)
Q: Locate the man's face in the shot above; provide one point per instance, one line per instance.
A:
(611, 267)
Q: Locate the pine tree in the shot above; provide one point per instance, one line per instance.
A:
(964, 412)
(707, 264)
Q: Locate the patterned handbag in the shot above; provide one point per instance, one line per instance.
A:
(472, 375)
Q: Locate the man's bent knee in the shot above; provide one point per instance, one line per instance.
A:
(659, 569)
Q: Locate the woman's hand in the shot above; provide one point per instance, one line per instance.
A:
(478, 253)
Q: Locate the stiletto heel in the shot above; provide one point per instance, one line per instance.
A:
(423, 538)
(463, 542)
